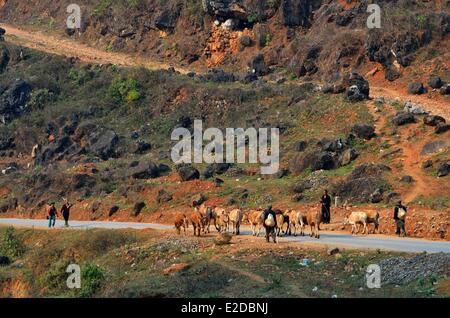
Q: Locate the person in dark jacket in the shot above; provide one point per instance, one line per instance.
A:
(51, 214)
(400, 224)
(65, 211)
(270, 231)
(326, 206)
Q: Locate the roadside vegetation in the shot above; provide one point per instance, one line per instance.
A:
(130, 263)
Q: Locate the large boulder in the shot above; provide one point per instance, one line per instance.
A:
(187, 172)
(416, 88)
(103, 143)
(226, 9)
(434, 146)
(297, 13)
(13, 101)
(215, 168)
(365, 184)
(414, 108)
(144, 170)
(167, 19)
(315, 160)
(347, 156)
(55, 150)
(435, 82)
(357, 88)
(403, 118)
(363, 131)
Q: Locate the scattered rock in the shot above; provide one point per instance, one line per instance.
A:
(348, 156)
(113, 210)
(406, 179)
(357, 87)
(444, 169)
(434, 146)
(435, 82)
(442, 128)
(103, 143)
(215, 168)
(377, 196)
(13, 101)
(4, 260)
(415, 109)
(364, 131)
(403, 118)
(427, 164)
(445, 90)
(223, 239)
(163, 196)
(167, 20)
(416, 88)
(187, 172)
(433, 120)
(144, 170)
(332, 251)
(138, 207)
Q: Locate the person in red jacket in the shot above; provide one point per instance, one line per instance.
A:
(52, 213)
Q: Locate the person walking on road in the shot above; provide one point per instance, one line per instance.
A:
(65, 211)
(400, 218)
(270, 228)
(51, 214)
(326, 206)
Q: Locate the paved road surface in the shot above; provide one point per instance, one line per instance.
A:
(329, 238)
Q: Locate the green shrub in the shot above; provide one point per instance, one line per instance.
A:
(40, 98)
(92, 277)
(10, 245)
(124, 90)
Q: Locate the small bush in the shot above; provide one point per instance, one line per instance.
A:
(10, 245)
(92, 277)
(124, 90)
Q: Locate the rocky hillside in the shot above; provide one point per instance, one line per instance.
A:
(298, 38)
(99, 134)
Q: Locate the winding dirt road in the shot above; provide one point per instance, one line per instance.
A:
(58, 45)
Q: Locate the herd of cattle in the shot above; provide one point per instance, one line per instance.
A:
(287, 223)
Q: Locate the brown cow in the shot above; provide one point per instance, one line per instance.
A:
(181, 221)
(236, 219)
(209, 213)
(374, 217)
(256, 220)
(313, 219)
(297, 220)
(199, 222)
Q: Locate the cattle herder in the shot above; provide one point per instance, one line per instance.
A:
(326, 207)
(270, 229)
